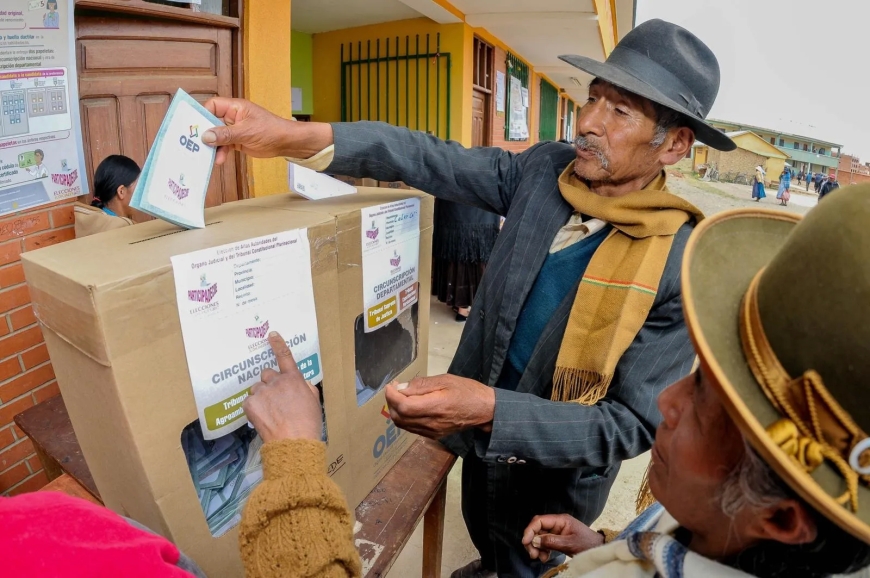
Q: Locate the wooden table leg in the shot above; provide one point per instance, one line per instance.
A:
(433, 534)
(49, 464)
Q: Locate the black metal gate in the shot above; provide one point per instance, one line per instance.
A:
(395, 82)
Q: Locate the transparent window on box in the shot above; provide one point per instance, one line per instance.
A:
(225, 471)
(380, 356)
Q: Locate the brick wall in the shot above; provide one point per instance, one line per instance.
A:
(26, 375)
(846, 178)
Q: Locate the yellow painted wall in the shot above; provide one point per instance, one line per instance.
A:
(267, 82)
(773, 168)
(456, 39)
(752, 143)
(606, 12)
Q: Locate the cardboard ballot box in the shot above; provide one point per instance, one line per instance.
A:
(109, 310)
(384, 269)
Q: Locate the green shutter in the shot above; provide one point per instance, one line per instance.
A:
(520, 70)
(549, 111)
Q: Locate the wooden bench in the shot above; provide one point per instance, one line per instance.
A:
(414, 489)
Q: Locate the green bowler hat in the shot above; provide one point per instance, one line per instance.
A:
(778, 308)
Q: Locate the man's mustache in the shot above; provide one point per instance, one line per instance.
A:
(582, 142)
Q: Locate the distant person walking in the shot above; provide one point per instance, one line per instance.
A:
(758, 188)
(830, 185)
(783, 193)
(818, 181)
(809, 180)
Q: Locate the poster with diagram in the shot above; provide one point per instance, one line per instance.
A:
(41, 155)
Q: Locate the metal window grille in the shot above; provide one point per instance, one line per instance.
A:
(394, 82)
(549, 124)
(519, 70)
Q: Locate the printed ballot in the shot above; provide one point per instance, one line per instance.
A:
(175, 178)
(230, 298)
(390, 260)
(315, 186)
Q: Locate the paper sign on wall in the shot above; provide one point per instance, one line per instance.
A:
(390, 260)
(229, 299)
(499, 91)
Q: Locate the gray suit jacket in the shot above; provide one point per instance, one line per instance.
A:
(540, 435)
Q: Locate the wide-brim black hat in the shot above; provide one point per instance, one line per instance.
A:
(669, 65)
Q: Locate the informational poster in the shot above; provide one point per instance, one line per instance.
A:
(517, 116)
(390, 260)
(41, 158)
(229, 299)
(499, 91)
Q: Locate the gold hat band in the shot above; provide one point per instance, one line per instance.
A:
(814, 427)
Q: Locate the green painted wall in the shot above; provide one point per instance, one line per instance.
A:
(302, 69)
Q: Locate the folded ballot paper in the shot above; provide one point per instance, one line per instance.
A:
(224, 472)
(176, 174)
(315, 186)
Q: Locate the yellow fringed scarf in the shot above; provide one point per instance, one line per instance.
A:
(620, 284)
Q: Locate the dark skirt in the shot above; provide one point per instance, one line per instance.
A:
(462, 242)
(456, 283)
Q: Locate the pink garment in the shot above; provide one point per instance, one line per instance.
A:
(50, 534)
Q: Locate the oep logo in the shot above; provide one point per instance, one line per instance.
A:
(388, 438)
(188, 142)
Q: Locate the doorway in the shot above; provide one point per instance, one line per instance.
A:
(481, 99)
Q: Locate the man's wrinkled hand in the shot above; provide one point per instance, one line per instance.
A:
(438, 406)
(284, 406)
(257, 132)
(558, 533)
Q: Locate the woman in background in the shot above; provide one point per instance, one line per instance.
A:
(114, 184)
(759, 184)
(784, 192)
(463, 240)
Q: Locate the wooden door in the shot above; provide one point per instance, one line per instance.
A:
(129, 69)
(478, 118)
(481, 100)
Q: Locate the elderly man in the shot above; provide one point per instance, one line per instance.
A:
(762, 462)
(578, 324)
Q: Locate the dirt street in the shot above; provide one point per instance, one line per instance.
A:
(713, 197)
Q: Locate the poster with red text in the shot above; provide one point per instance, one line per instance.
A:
(41, 155)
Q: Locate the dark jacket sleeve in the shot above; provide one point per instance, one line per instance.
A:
(622, 425)
(483, 177)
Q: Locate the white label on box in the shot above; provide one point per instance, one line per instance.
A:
(390, 260)
(229, 299)
(315, 186)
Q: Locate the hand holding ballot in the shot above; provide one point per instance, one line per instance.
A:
(284, 406)
(257, 132)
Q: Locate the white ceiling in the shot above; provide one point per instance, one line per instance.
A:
(312, 16)
(538, 30)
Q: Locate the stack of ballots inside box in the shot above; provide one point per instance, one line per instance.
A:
(224, 471)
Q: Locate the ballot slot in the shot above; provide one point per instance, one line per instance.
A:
(226, 470)
(384, 353)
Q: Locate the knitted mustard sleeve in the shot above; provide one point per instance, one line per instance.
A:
(296, 522)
